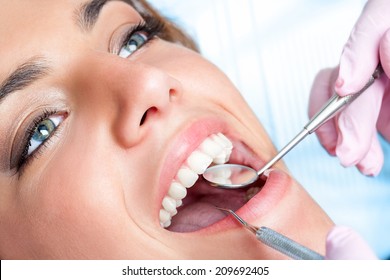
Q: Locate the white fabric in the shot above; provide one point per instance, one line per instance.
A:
(272, 51)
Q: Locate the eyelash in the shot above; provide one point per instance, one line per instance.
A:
(24, 158)
(152, 27)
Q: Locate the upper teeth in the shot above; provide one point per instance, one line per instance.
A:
(217, 149)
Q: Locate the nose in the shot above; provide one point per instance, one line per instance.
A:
(146, 94)
(131, 96)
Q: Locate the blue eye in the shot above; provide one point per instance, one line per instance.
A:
(133, 43)
(43, 131)
(139, 35)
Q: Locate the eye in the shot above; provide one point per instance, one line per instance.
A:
(135, 41)
(138, 36)
(43, 131)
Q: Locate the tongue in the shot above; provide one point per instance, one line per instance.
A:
(198, 210)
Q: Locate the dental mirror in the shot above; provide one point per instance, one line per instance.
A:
(234, 176)
(230, 176)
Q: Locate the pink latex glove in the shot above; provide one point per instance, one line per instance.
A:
(342, 243)
(352, 136)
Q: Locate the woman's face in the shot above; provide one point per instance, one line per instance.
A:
(101, 133)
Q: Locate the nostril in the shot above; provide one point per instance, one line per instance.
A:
(147, 114)
(143, 118)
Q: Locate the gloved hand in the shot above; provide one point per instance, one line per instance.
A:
(352, 136)
(342, 243)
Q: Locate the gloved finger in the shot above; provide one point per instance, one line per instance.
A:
(357, 125)
(384, 117)
(342, 243)
(360, 55)
(321, 91)
(372, 163)
(384, 52)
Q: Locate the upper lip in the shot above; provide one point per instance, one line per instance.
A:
(188, 139)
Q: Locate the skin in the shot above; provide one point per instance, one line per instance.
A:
(80, 198)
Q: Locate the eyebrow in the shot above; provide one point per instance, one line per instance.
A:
(24, 75)
(88, 13)
(36, 68)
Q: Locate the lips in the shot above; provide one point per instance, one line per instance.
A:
(184, 209)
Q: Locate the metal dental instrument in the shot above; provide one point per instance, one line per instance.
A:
(278, 241)
(233, 176)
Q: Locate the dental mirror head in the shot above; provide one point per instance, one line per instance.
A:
(230, 176)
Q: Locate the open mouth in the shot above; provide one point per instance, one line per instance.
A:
(190, 202)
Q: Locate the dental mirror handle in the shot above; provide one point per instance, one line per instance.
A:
(334, 105)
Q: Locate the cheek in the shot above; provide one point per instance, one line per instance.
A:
(77, 209)
(83, 187)
(72, 209)
(197, 75)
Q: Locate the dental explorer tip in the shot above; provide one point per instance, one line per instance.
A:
(241, 220)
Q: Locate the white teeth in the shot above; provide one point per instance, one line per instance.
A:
(177, 191)
(164, 216)
(221, 158)
(166, 224)
(211, 148)
(224, 155)
(199, 161)
(222, 181)
(215, 149)
(222, 177)
(223, 173)
(187, 177)
(226, 141)
(169, 205)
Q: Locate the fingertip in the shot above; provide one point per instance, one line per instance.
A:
(341, 87)
(327, 135)
(371, 169)
(343, 243)
(351, 79)
(339, 82)
(337, 234)
(355, 69)
(372, 163)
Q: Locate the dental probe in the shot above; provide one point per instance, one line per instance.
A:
(240, 176)
(278, 241)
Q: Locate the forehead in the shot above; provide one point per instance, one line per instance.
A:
(17, 12)
(21, 21)
(40, 27)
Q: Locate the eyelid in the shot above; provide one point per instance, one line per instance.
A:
(118, 37)
(150, 27)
